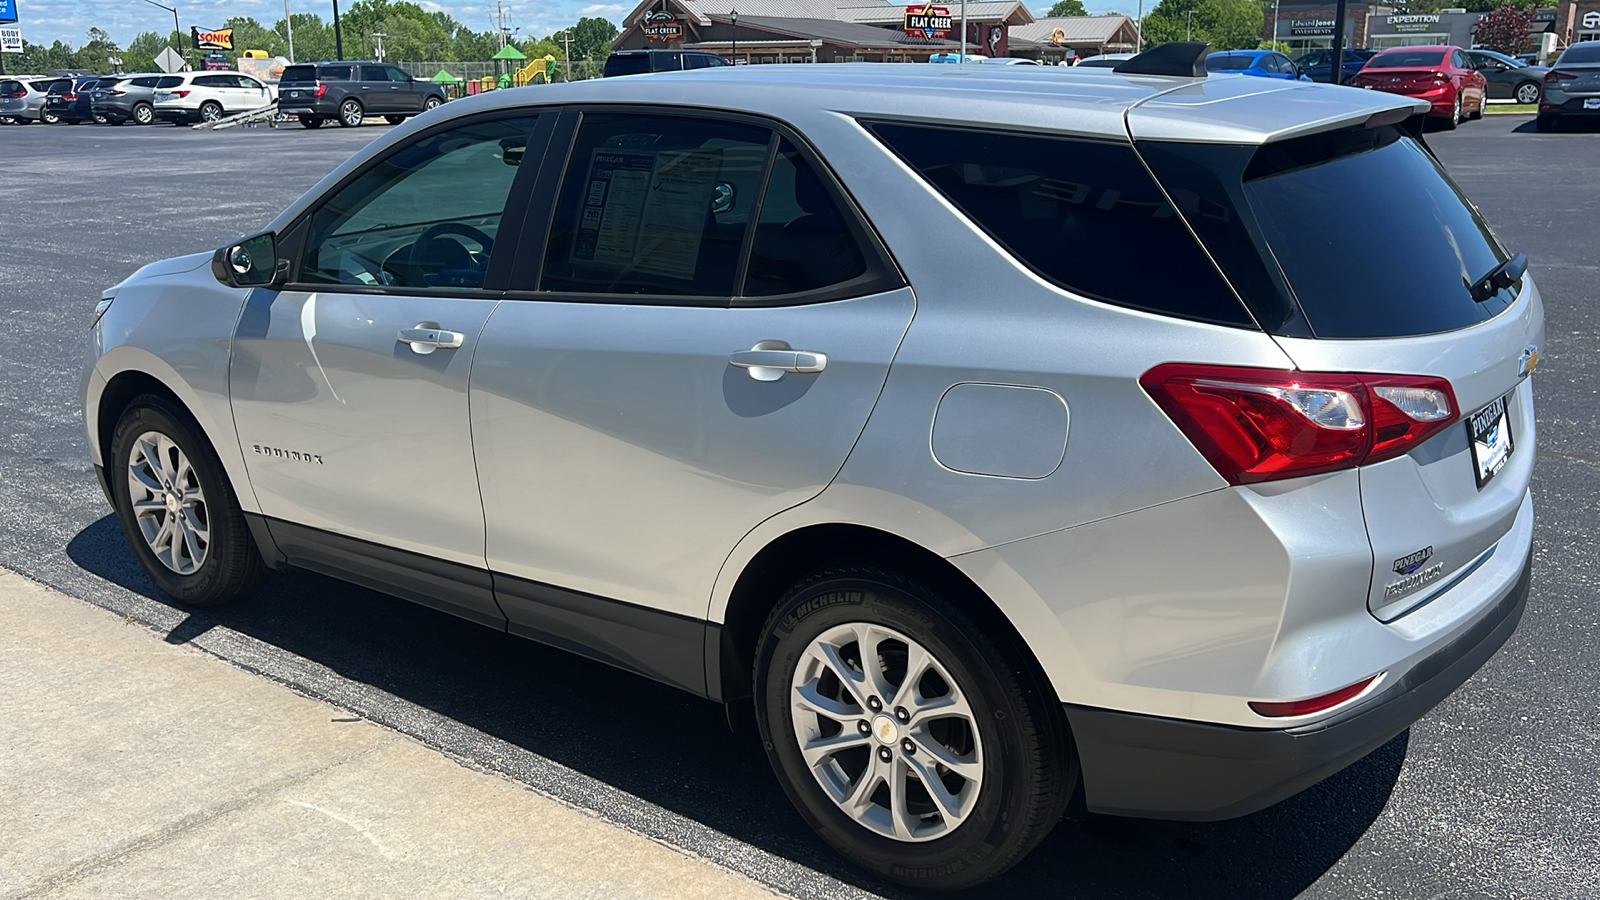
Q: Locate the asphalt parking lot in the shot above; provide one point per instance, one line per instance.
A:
(1491, 795)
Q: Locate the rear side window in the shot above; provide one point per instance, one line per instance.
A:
(655, 205)
(335, 73)
(803, 240)
(630, 64)
(1289, 213)
(1228, 63)
(170, 81)
(1084, 215)
(148, 81)
(299, 75)
(374, 73)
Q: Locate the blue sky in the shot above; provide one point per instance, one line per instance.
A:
(45, 21)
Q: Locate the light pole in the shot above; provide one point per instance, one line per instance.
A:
(176, 31)
(1188, 30)
(735, 15)
(288, 29)
(338, 39)
(963, 31)
(1138, 41)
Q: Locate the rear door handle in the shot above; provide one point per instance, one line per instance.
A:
(425, 340)
(770, 360)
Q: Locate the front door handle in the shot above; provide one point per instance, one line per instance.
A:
(424, 339)
(770, 360)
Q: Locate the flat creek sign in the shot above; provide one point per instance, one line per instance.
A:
(662, 26)
(928, 22)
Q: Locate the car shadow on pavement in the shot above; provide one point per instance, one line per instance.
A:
(677, 752)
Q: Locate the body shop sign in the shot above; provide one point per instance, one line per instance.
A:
(928, 22)
(662, 26)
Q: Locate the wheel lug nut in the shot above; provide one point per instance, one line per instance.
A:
(884, 754)
(908, 746)
(864, 727)
(901, 714)
(875, 703)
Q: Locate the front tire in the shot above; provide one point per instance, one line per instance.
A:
(351, 113)
(903, 735)
(1527, 93)
(432, 103)
(177, 508)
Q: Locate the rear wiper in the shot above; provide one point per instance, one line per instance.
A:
(1499, 278)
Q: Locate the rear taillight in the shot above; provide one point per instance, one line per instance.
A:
(1265, 424)
(180, 94)
(1440, 77)
(1557, 77)
(17, 96)
(115, 93)
(320, 90)
(69, 96)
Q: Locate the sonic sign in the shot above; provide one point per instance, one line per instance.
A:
(928, 22)
(661, 26)
(216, 39)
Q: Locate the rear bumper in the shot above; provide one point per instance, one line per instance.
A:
(303, 106)
(175, 114)
(1153, 767)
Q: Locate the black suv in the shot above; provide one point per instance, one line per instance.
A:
(68, 101)
(638, 62)
(349, 91)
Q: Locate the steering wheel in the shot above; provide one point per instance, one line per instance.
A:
(419, 250)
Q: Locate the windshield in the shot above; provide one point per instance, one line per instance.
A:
(1406, 59)
(1581, 53)
(1361, 229)
(1225, 63)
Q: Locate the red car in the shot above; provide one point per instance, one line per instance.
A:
(1440, 75)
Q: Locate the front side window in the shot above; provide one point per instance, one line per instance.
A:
(655, 205)
(423, 217)
(1082, 214)
(374, 73)
(396, 74)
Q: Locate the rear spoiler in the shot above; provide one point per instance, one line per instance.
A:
(1179, 59)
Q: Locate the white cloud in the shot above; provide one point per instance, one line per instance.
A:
(606, 10)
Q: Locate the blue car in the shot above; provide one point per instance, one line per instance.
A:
(1263, 63)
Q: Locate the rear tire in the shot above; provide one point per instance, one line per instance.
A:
(1454, 118)
(177, 508)
(1010, 766)
(210, 111)
(394, 120)
(310, 121)
(1546, 123)
(351, 114)
(143, 114)
(49, 118)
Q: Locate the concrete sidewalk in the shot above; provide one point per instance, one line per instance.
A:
(130, 767)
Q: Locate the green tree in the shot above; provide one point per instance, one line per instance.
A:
(95, 55)
(592, 37)
(1224, 24)
(248, 34)
(313, 38)
(1067, 8)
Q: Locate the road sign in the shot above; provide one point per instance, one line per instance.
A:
(8, 10)
(10, 40)
(168, 61)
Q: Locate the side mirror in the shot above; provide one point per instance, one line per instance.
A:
(253, 262)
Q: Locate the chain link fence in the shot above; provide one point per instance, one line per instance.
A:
(472, 77)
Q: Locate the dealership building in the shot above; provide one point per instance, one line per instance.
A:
(805, 31)
(1309, 26)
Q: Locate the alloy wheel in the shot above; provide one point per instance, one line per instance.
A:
(887, 732)
(143, 114)
(169, 506)
(431, 103)
(1527, 93)
(210, 112)
(350, 114)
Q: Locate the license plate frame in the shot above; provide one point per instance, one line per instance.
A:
(1591, 103)
(1490, 439)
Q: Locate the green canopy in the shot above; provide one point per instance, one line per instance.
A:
(445, 78)
(509, 52)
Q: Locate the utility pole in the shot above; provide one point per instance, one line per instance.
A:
(288, 29)
(500, 22)
(338, 38)
(379, 36)
(963, 31)
(1336, 69)
(566, 40)
(1138, 42)
(1188, 30)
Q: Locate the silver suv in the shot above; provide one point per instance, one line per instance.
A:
(986, 432)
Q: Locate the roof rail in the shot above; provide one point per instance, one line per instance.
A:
(1183, 59)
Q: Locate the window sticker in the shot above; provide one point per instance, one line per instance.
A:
(646, 211)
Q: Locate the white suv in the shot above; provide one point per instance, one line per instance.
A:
(208, 96)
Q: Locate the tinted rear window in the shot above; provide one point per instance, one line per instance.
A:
(1406, 59)
(1083, 214)
(10, 87)
(1225, 63)
(627, 65)
(1361, 228)
(299, 74)
(1581, 53)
